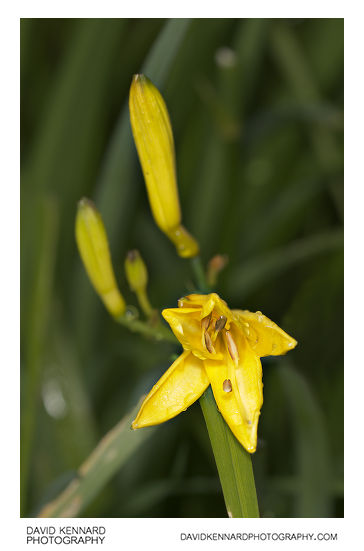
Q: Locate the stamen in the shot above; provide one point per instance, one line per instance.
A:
(227, 386)
(220, 323)
(233, 351)
(209, 345)
(205, 322)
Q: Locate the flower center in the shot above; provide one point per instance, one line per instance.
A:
(213, 327)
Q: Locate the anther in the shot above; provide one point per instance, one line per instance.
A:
(209, 345)
(227, 386)
(233, 351)
(205, 322)
(220, 323)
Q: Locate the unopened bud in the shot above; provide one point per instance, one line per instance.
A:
(136, 271)
(94, 250)
(216, 264)
(153, 138)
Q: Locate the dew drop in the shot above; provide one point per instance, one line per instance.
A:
(227, 386)
(131, 313)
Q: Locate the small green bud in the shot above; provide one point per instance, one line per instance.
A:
(136, 271)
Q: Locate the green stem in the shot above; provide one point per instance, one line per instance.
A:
(144, 303)
(109, 456)
(200, 276)
(233, 462)
(158, 332)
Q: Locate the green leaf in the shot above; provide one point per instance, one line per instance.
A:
(254, 272)
(116, 447)
(313, 498)
(233, 462)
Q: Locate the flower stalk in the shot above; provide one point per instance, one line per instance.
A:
(157, 332)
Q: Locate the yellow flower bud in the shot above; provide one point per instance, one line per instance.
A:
(153, 138)
(136, 271)
(137, 276)
(93, 246)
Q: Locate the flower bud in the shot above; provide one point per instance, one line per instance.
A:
(94, 250)
(153, 138)
(136, 271)
(216, 264)
(137, 276)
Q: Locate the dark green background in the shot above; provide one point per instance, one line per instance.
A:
(259, 145)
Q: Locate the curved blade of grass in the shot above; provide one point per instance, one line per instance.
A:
(263, 268)
(116, 447)
(313, 463)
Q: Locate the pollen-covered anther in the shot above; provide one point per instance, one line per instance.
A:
(220, 323)
(233, 351)
(205, 322)
(227, 386)
(208, 343)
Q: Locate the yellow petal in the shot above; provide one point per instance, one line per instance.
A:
(240, 406)
(186, 325)
(214, 302)
(180, 386)
(264, 336)
(206, 303)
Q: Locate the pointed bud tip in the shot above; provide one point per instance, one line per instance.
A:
(133, 255)
(85, 202)
(139, 78)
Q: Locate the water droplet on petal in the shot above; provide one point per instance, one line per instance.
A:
(227, 386)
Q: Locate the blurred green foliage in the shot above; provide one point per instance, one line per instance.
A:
(257, 111)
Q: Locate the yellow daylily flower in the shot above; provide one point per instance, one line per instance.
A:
(153, 137)
(222, 347)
